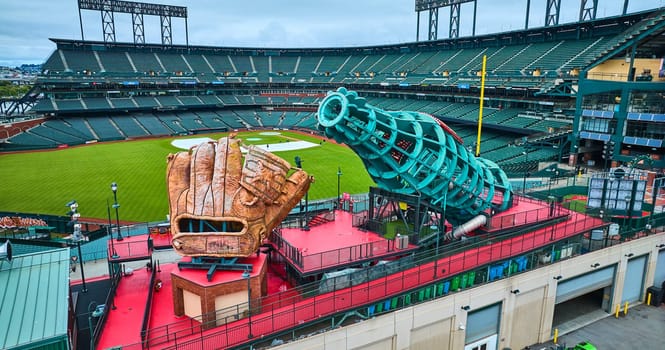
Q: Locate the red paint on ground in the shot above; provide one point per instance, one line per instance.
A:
(161, 240)
(220, 276)
(123, 324)
(336, 243)
(130, 248)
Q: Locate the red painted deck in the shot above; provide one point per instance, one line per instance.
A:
(525, 211)
(220, 276)
(334, 244)
(130, 248)
(161, 240)
(123, 325)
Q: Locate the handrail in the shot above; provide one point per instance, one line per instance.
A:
(148, 304)
(281, 304)
(110, 300)
(333, 257)
(272, 321)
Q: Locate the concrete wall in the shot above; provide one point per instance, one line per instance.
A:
(526, 317)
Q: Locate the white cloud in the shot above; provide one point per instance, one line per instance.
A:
(27, 25)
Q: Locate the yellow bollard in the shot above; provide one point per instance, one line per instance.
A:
(616, 313)
(625, 309)
(648, 298)
(556, 334)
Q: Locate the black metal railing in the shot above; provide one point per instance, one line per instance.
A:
(148, 303)
(285, 310)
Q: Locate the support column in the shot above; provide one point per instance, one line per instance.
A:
(137, 26)
(108, 26)
(166, 30)
(433, 23)
(454, 21)
(552, 12)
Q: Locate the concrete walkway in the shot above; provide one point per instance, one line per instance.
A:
(99, 268)
(642, 328)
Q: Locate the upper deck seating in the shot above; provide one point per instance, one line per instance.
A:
(146, 62)
(114, 62)
(79, 61)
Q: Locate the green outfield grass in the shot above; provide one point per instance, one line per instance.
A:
(43, 182)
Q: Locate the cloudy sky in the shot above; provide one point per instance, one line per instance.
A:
(25, 26)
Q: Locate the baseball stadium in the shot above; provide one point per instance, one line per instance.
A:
(491, 191)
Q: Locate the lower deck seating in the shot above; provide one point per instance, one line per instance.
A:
(129, 126)
(104, 129)
(152, 124)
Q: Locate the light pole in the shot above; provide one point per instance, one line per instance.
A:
(246, 276)
(298, 162)
(526, 171)
(114, 254)
(77, 237)
(339, 175)
(114, 188)
(553, 178)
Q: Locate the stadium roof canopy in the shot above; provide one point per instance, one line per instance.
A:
(34, 299)
(648, 41)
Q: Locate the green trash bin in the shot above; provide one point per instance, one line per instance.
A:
(465, 279)
(472, 278)
(455, 283)
(557, 255)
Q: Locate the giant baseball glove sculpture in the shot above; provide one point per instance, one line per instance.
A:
(222, 208)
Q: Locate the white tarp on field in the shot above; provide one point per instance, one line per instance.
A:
(273, 147)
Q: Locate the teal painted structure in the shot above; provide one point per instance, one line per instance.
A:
(629, 130)
(415, 153)
(33, 301)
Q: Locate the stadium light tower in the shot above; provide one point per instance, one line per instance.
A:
(433, 7)
(137, 9)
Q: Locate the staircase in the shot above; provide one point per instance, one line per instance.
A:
(320, 219)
